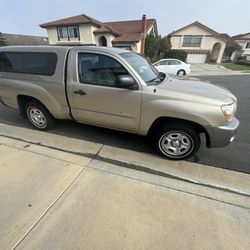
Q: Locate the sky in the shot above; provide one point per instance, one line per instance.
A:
(224, 16)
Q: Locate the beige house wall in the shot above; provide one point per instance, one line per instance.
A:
(85, 31)
(207, 43)
(109, 37)
(87, 36)
(52, 35)
(243, 43)
(136, 47)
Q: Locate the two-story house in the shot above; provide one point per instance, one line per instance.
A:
(85, 30)
(244, 41)
(200, 42)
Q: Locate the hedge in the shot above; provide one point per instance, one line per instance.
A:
(177, 54)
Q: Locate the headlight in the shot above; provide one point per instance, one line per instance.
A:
(228, 111)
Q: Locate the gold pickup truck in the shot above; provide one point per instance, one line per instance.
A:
(116, 89)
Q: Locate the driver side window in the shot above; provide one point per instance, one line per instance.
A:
(97, 69)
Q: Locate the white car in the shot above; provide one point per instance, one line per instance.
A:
(173, 67)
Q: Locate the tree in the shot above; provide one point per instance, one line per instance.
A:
(2, 40)
(231, 48)
(164, 45)
(151, 46)
(156, 46)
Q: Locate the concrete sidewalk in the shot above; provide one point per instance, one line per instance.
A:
(51, 199)
(212, 69)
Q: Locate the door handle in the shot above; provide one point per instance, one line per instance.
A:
(80, 92)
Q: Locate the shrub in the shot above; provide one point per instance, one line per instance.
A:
(247, 63)
(178, 54)
(2, 40)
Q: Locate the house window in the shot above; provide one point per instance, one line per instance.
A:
(70, 32)
(192, 41)
(248, 45)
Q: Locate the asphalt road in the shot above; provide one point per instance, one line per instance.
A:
(236, 156)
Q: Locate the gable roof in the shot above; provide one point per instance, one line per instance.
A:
(80, 19)
(229, 38)
(106, 29)
(14, 39)
(130, 27)
(196, 23)
(128, 38)
(242, 36)
(126, 31)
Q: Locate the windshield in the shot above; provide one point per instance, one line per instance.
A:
(144, 68)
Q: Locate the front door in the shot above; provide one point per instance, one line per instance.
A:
(98, 100)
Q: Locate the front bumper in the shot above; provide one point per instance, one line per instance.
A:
(221, 136)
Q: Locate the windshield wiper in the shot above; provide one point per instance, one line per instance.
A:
(154, 80)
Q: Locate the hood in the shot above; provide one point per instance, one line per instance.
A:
(198, 88)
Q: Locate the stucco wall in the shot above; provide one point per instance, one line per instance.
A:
(243, 43)
(136, 47)
(207, 43)
(52, 35)
(109, 38)
(85, 31)
(87, 36)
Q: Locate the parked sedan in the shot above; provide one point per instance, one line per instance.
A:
(173, 67)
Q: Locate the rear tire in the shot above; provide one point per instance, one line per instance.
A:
(181, 73)
(176, 141)
(39, 116)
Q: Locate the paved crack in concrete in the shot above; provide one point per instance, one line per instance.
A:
(48, 208)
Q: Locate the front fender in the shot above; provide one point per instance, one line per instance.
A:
(202, 114)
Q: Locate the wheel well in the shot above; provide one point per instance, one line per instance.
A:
(181, 70)
(197, 127)
(22, 101)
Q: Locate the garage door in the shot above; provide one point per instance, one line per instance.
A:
(196, 58)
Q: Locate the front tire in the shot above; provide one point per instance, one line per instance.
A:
(39, 116)
(176, 141)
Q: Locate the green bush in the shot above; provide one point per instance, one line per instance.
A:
(247, 63)
(178, 54)
(2, 40)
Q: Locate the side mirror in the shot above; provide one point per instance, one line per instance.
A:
(127, 82)
(162, 76)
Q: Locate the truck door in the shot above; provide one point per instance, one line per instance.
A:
(97, 99)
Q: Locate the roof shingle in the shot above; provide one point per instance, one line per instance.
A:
(128, 38)
(245, 36)
(13, 39)
(80, 19)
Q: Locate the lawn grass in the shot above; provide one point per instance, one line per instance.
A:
(234, 66)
